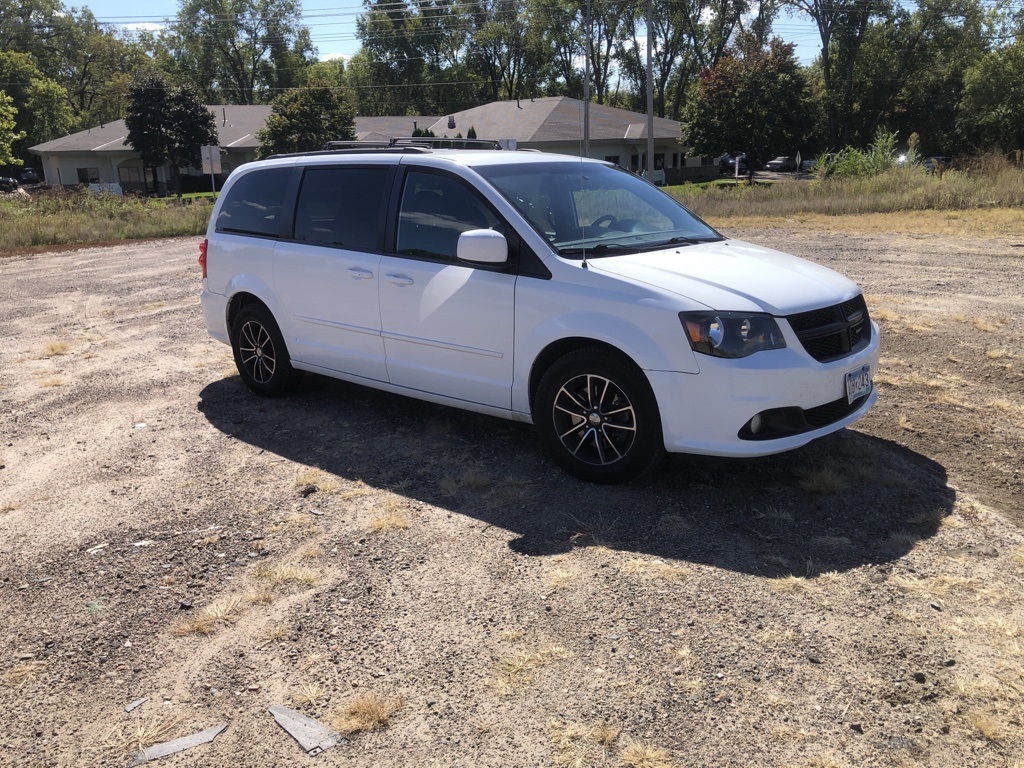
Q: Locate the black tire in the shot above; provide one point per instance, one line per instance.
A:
(598, 418)
(260, 352)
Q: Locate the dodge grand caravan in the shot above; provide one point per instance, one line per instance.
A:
(536, 287)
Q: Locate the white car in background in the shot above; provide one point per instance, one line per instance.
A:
(536, 287)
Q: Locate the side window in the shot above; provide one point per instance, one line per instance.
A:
(342, 206)
(435, 210)
(254, 203)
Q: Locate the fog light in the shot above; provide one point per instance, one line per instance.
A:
(755, 424)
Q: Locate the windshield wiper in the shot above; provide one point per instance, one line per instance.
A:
(599, 249)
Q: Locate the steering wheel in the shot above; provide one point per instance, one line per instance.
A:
(607, 221)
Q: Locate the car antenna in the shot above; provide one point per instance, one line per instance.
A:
(584, 265)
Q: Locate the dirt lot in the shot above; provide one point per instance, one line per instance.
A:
(374, 561)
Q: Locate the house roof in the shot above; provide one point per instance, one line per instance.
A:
(384, 128)
(554, 119)
(236, 128)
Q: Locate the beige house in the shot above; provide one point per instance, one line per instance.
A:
(551, 124)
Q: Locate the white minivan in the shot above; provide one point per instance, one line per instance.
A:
(538, 287)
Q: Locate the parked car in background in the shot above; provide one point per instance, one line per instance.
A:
(536, 287)
(7, 184)
(811, 164)
(28, 176)
(727, 164)
(936, 163)
(781, 163)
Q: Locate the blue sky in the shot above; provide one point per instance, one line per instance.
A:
(333, 25)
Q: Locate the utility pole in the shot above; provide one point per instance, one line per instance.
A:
(586, 87)
(649, 165)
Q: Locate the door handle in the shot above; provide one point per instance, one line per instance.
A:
(398, 279)
(360, 274)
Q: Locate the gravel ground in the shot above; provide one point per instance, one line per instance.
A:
(425, 584)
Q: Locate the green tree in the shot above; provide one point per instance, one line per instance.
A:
(43, 112)
(8, 133)
(841, 26)
(508, 50)
(909, 75)
(413, 58)
(991, 113)
(754, 99)
(305, 119)
(168, 124)
(239, 51)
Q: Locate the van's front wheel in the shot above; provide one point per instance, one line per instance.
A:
(260, 353)
(598, 418)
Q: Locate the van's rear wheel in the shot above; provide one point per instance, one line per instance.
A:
(598, 418)
(260, 353)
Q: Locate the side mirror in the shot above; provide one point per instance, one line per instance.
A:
(482, 246)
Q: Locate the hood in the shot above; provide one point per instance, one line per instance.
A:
(734, 276)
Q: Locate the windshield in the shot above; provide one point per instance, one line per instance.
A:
(587, 209)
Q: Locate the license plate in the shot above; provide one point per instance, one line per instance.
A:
(858, 383)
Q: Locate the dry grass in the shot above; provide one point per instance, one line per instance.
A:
(311, 694)
(23, 674)
(515, 671)
(936, 587)
(823, 480)
(56, 348)
(559, 578)
(985, 725)
(512, 491)
(637, 754)
(311, 476)
(476, 480)
(277, 632)
(125, 740)
(998, 354)
(672, 524)
(656, 569)
(791, 584)
(581, 746)
(391, 517)
(52, 382)
(213, 617)
(285, 573)
(261, 597)
(358, 489)
(367, 712)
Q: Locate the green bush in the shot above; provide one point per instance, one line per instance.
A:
(59, 217)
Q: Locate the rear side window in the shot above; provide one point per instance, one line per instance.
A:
(254, 203)
(342, 206)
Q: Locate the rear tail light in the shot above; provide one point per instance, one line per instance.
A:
(202, 256)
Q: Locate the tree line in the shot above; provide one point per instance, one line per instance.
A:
(951, 71)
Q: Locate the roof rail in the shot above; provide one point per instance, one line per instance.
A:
(398, 144)
(444, 143)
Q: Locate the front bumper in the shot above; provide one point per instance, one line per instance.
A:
(710, 412)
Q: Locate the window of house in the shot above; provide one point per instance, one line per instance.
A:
(612, 159)
(129, 174)
(88, 175)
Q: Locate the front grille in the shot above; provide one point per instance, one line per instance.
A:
(832, 333)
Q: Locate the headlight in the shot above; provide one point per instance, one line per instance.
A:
(731, 334)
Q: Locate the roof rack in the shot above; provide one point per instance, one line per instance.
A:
(423, 142)
(444, 143)
(419, 144)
